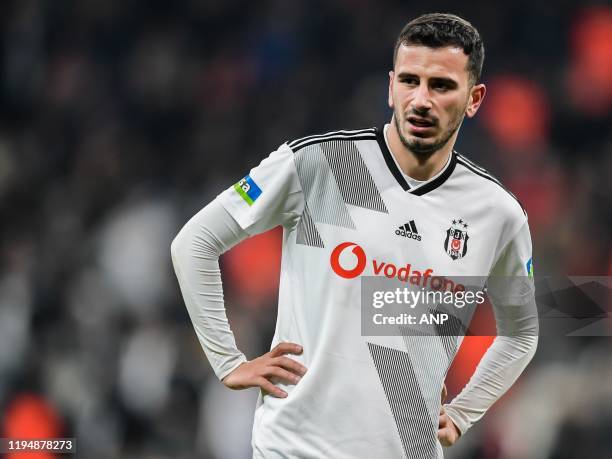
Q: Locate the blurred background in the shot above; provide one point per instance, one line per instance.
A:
(121, 119)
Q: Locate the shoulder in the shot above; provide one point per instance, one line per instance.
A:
(504, 199)
(332, 136)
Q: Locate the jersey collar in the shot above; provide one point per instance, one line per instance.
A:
(425, 187)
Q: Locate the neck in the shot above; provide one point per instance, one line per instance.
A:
(417, 167)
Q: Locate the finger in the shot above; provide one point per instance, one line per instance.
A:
(289, 364)
(286, 348)
(443, 436)
(446, 431)
(446, 438)
(270, 388)
(443, 394)
(283, 375)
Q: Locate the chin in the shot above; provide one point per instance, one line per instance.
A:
(422, 137)
(424, 140)
(423, 148)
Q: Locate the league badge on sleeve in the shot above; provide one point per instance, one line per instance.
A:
(248, 190)
(529, 266)
(456, 240)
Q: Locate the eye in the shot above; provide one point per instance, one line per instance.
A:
(411, 81)
(441, 87)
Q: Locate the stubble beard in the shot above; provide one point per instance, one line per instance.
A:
(420, 147)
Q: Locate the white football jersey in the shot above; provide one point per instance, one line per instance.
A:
(347, 212)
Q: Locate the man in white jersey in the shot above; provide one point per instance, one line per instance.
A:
(362, 203)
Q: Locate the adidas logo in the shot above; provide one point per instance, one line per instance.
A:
(408, 230)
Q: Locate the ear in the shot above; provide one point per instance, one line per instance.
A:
(391, 75)
(477, 94)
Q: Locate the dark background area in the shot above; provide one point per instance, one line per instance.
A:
(120, 120)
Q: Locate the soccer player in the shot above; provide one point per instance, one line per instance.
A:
(349, 201)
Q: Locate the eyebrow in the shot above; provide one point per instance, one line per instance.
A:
(448, 81)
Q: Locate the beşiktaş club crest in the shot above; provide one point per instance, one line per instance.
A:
(456, 240)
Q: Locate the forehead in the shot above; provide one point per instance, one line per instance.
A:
(448, 62)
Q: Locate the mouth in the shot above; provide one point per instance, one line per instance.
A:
(421, 122)
(420, 125)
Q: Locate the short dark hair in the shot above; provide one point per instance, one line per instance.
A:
(437, 30)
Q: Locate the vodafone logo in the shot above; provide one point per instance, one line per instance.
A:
(343, 272)
(354, 262)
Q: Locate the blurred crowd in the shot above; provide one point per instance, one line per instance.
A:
(121, 119)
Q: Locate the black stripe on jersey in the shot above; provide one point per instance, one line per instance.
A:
(380, 138)
(307, 233)
(352, 175)
(469, 161)
(443, 177)
(421, 190)
(484, 174)
(327, 139)
(341, 133)
(477, 169)
(408, 406)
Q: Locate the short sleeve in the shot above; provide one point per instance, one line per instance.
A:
(268, 196)
(511, 279)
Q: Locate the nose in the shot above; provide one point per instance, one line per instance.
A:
(421, 102)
